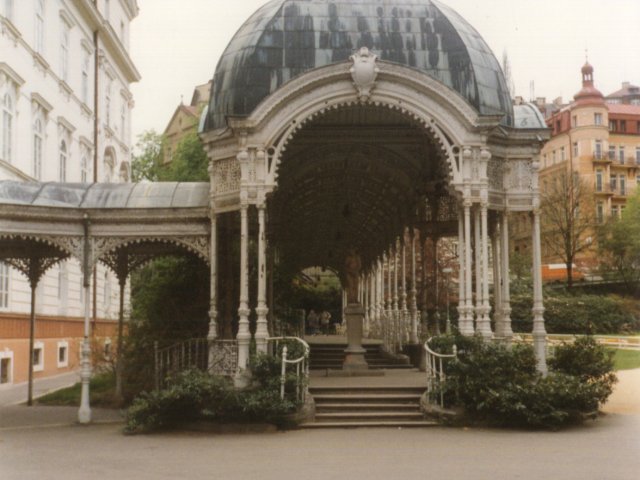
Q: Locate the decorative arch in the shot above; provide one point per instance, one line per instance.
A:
(442, 112)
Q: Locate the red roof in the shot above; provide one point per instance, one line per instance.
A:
(621, 109)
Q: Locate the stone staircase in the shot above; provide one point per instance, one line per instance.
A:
(367, 406)
(330, 356)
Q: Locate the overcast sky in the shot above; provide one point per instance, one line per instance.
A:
(176, 45)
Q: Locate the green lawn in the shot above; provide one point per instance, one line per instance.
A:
(102, 393)
(626, 359)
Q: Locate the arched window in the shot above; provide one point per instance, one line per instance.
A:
(64, 155)
(38, 140)
(39, 40)
(7, 127)
(109, 165)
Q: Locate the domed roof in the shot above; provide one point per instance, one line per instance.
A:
(286, 38)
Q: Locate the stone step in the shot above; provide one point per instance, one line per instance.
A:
(369, 424)
(356, 398)
(366, 407)
(369, 416)
(338, 366)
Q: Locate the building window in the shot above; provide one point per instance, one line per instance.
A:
(107, 104)
(106, 291)
(123, 121)
(64, 156)
(598, 180)
(553, 155)
(621, 155)
(576, 149)
(612, 152)
(64, 51)
(623, 126)
(63, 354)
(107, 348)
(38, 357)
(7, 127)
(38, 139)
(598, 150)
(84, 169)
(597, 118)
(615, 213)
(574, 121)
(563, 155)
(6, 367)
(39, 46)
(613, 125)
(5, 279)
(614, 183)
(623, 185)
(638, 155)
(600, 212)
(8, 9)
(86, 60)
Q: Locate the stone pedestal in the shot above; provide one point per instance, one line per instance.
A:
(354, 354)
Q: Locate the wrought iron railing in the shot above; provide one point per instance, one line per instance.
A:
(436, 375)
(218, 357)
(300, 365)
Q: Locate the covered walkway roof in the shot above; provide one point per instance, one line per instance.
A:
(106, 195)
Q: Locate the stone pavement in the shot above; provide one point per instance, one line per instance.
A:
(17, 394)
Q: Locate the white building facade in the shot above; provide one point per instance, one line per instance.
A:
(65, 100)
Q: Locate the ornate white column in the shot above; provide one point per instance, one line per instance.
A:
(467, 328)
(478, 269)
(485, 308)
(497, 280)
(506, 279)
(372, 301)
(213, 292)
(262, 328)
(414, 291)
(244, 334)
(396, 297)
(404, 315)
(462, 295)
(84, 412)
(539, 331)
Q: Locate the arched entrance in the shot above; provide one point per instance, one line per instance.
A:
(334, 166)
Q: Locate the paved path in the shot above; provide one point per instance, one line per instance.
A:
(16, 394)
(607, 449)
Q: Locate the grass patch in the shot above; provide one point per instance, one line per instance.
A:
(101, 392)
(626, 359)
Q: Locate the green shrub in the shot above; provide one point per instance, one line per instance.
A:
(577, 314)
(500, 385)
(197, 396)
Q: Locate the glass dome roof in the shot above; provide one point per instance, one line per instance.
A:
(286, 38)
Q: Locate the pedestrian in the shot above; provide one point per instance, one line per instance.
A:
(313, 322)
(325, 322)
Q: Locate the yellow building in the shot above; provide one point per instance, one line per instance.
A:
(185, 120)
(597, 140)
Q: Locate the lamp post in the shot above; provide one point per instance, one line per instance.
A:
(447, 271)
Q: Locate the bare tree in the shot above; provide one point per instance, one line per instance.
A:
(568, 217)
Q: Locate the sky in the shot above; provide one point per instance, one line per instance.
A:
(176, 45)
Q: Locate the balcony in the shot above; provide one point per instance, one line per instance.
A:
(601, 158)
(604, 190)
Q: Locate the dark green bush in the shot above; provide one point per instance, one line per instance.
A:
(577, 314)
(195, 396)
(500, 385)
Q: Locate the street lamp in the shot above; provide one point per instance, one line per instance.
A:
(447, 271)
